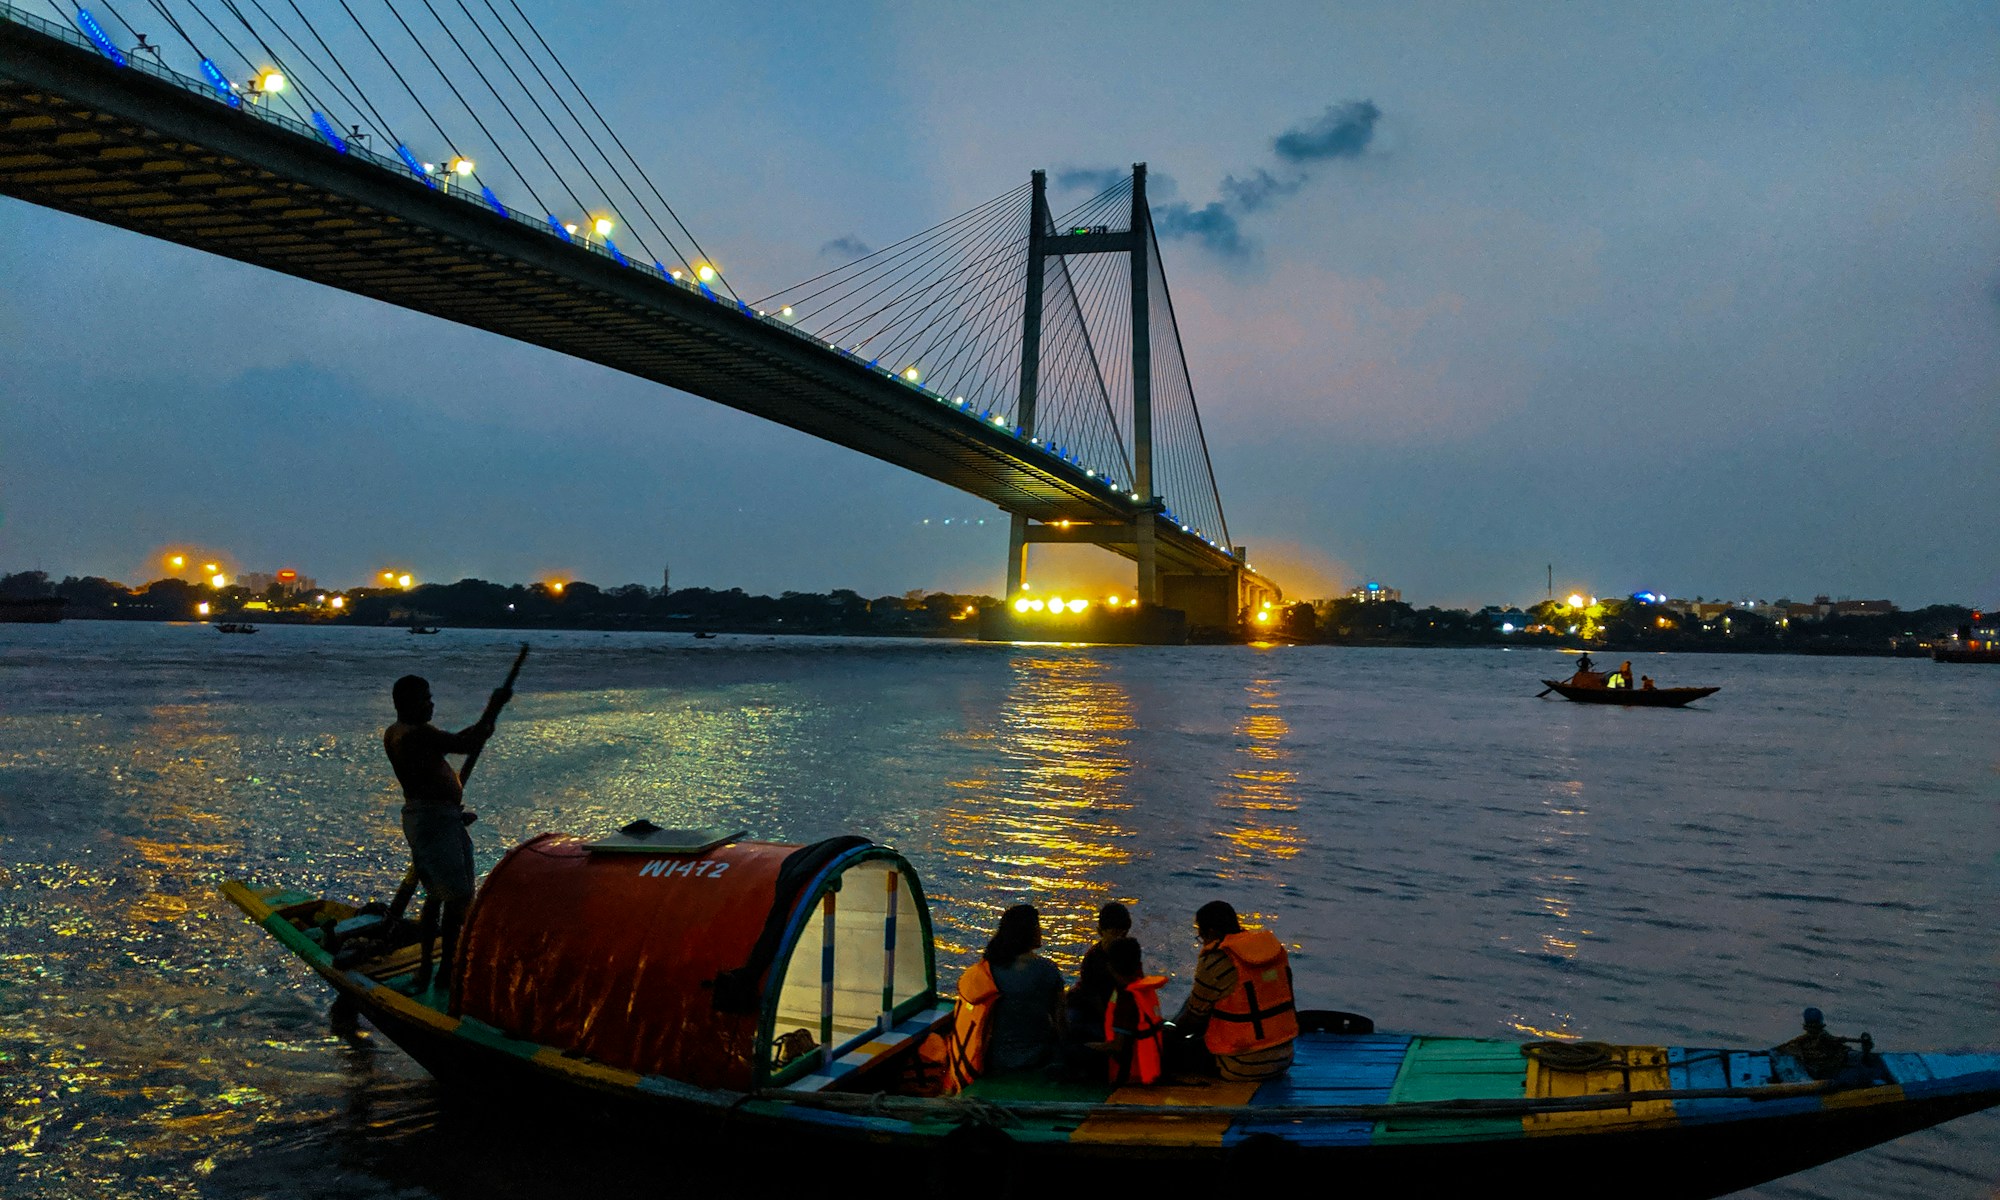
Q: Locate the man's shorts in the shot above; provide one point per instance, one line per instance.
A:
(442, 850)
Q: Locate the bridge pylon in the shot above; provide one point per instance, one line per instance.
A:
(1169, 600)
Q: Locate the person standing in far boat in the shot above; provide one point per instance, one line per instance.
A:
(1027, 1015)
(1241, 1006)
(434, 816)
(1624, 676)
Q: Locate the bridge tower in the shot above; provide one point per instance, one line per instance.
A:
(1214, 600)
(1044, 242)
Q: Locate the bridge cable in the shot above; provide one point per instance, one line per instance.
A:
(886, 249)
(588, 139)
(290, 75)
(382, 126)
(306, 56)
(692, 240)
(636, 233)
(384, 56)
(498, 147)
(583, 209)
(248, 62)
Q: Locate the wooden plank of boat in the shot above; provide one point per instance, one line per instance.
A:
(1630, 697)
(1437, 1114)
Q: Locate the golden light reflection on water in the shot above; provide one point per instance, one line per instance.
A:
(1257, 812)
(1559, 842)
(1042, 826)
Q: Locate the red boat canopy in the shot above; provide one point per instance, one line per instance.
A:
(698, 966)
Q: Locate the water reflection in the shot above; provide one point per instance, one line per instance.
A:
(1258, 812)
(1560, 843)
(1041, 824)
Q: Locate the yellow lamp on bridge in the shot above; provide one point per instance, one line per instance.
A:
(1077, 606)
(1264, 617)
(1021, 605)
(911, 375)
(461, 165)
(270, 80)
(705, 273)
(603, 226)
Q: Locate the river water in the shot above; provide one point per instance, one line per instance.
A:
(1450, 854)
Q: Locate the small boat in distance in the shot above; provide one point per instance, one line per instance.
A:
(775, 1001)
(423, 629)
(235, 627)
(1975, 642)
(1657, 697)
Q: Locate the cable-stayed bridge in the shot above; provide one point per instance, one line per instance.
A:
(1028, 358)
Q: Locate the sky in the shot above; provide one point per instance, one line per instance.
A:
(1701, 299)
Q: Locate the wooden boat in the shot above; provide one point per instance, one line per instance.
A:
(767, 1002)
(1630, 697)
(423, 629)
(234, 627)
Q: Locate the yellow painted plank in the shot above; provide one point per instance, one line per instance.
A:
(1634, 1069)
(1863, 1097)
(1193, 1130)
(550, 1057)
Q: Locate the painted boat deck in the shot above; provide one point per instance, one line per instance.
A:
(1333, 1071)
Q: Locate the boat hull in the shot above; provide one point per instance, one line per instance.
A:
(1724, 1120)
(1630, 697)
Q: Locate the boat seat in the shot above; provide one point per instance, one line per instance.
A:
(884, 1045)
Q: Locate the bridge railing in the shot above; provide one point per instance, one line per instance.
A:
(548, 226)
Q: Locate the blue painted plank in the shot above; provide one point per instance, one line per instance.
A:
(1328, 1070)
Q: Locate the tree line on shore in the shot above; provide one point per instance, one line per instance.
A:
(477, 603)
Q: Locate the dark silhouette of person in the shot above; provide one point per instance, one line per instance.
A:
(434, 816)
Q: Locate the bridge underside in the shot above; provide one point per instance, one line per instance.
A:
(115, 145)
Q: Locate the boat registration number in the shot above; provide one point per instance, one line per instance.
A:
(707, 868)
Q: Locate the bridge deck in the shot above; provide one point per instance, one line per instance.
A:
(153, 153)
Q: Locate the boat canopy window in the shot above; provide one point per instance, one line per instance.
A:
(859, 962)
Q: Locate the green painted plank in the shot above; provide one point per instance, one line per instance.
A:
(1456, 1069)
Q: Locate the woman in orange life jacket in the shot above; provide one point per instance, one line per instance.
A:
(1132, 1026)
(1241, 1008)
(1009, 1015)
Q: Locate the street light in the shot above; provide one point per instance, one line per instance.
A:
(603, 226)
(461, 165)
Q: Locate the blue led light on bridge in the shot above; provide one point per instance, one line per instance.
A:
(221, 85)
(706, 294)
(326, 131)
(492, 200)
(558, 227)
(613, 247)
(95, 32)
(416, 168)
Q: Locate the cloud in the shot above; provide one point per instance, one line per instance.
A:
(1342, 131)
(1250, 194)
(1213, 225)
(847, 246)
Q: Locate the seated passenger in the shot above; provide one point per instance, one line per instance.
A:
(1094, 983)
(1241, 1006)
(1132, 1025)
(1027, 1014)
(1646, 682)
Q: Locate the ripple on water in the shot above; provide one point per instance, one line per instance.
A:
(1445, 854)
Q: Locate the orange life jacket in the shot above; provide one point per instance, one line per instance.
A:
(1259, 1012)
(971, 1026)
(1145, 1064)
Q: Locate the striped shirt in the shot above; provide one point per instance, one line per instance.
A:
(1215, 978)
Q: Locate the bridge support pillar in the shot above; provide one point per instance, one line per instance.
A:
(1017, 555)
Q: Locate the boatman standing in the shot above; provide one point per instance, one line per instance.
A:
(434, 815)
(1241, 1006)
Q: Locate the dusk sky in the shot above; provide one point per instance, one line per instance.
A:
(1703, 299)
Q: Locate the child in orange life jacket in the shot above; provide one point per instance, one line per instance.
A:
(1132, 1024)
